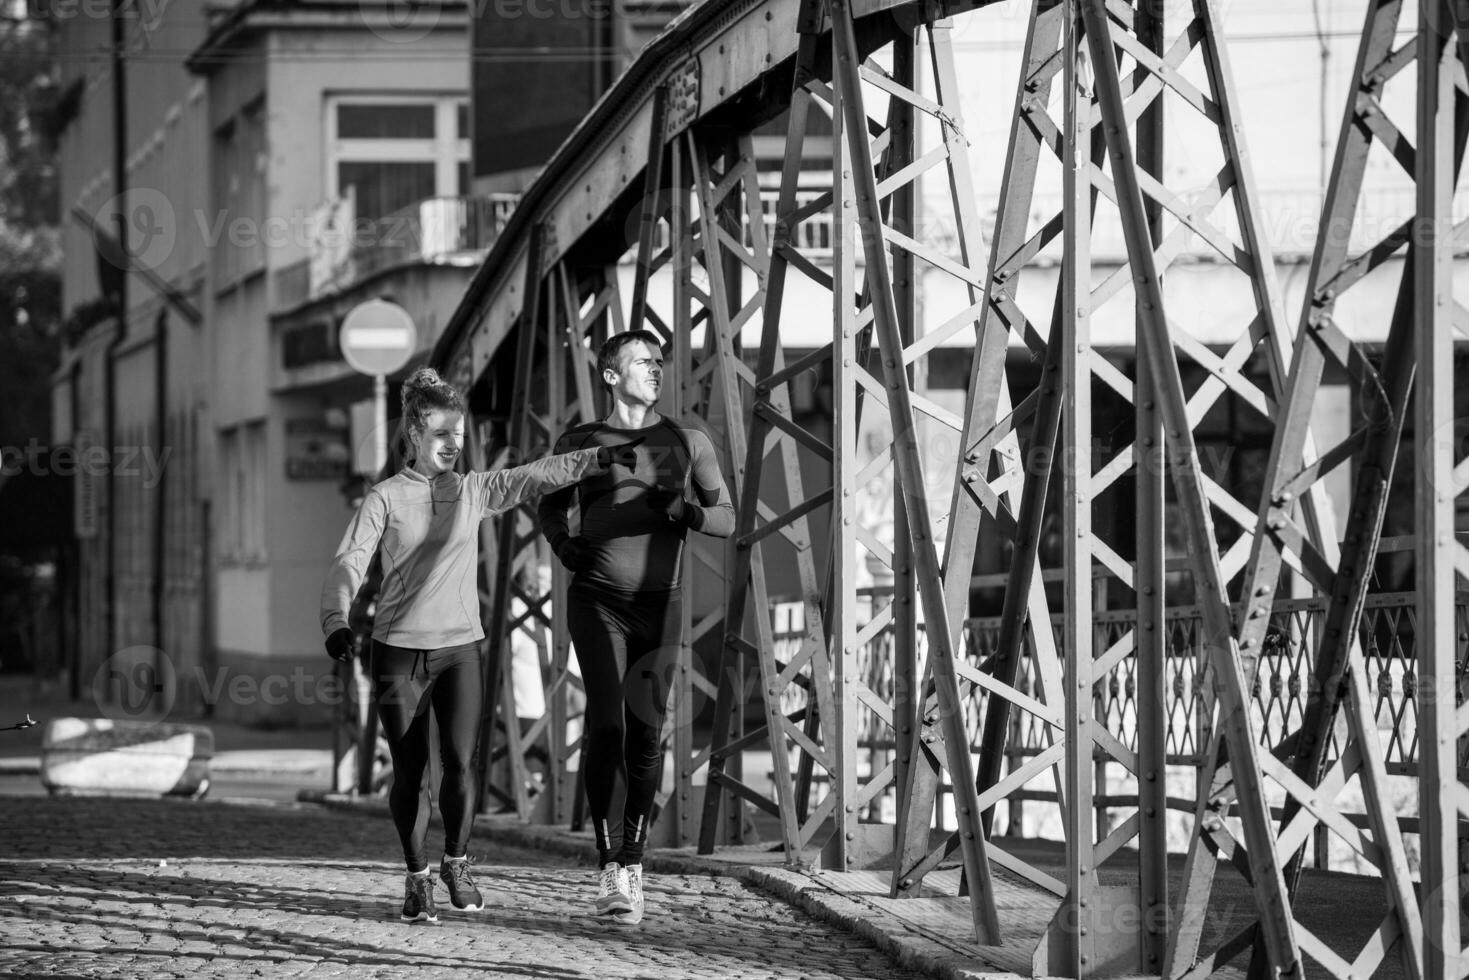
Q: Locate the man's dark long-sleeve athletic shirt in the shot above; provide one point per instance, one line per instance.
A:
(637, 549)
(429, 530)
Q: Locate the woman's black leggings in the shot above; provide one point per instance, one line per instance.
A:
(407, 682)
(627, 646)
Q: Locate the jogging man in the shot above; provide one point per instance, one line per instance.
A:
(625, 602)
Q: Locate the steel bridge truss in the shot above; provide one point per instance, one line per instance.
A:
(871, 711)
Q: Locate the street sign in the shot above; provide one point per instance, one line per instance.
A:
(378, 337)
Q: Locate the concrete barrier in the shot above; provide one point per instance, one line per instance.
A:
(102, 757)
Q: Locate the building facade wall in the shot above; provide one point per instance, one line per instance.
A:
(276, 531)
(210, 158)
(165, 115)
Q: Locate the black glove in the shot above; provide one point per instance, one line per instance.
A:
(669, 501)
(339, 645)
(622, 454)
(576, 554)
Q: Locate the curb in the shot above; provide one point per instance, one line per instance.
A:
(265, 762)
(794, 886)
(274, 761)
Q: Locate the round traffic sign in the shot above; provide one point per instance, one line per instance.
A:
(378, 337)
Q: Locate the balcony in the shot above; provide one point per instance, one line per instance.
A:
(345, 250)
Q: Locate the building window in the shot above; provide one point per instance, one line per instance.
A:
(391, 152)
(240, 192)
(242, 523)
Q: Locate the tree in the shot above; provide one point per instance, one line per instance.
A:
(30, 255)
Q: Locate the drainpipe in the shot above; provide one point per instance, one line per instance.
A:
(160, 492)
(119, 186)
(73, 593)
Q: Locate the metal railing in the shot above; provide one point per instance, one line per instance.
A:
(1279, 698)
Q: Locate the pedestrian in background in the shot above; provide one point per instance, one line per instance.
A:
(625, 603)
(427, 633)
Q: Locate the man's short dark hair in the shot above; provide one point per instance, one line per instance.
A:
(608, 358)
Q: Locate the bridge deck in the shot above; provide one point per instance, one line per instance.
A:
(1333, 905)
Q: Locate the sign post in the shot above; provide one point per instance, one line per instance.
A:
(377, 339)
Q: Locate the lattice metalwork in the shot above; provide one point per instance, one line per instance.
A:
(1305, 764)
(1442, 53)
(989, 488)
(890, 691)
(1133, 63)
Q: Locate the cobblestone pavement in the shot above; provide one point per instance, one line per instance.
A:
(135, 888)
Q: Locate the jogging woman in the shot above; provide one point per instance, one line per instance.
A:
(427, 631)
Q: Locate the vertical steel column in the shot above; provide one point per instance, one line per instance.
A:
(990, 466)
(517, 436)
(581, 333)
(872, 637)
(717, 247)
(781, 521)
(1194, 505)
(681, 326)
(1440, 556)
(909, 467)
(1024, 596)
(654, 186)
(1151, 638)
(845, 629)
(907, 699)
(884, 639)
(740, 209)
(1069, 947)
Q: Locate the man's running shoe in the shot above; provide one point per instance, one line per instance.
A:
(462, 893)
(612, 894)
(418, 899)
(633, 915)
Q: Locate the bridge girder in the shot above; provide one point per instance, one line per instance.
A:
(859, 702)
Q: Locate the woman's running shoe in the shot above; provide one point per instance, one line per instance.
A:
(418, 899)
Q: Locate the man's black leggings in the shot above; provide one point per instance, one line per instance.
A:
(406, 683)
(627, 646)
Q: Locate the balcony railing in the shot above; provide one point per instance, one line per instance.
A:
(344, 250)
(430, 230)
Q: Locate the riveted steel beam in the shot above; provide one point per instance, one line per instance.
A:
(909, 466)
(1437, 488)
(1194, 508)
(796, 693)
